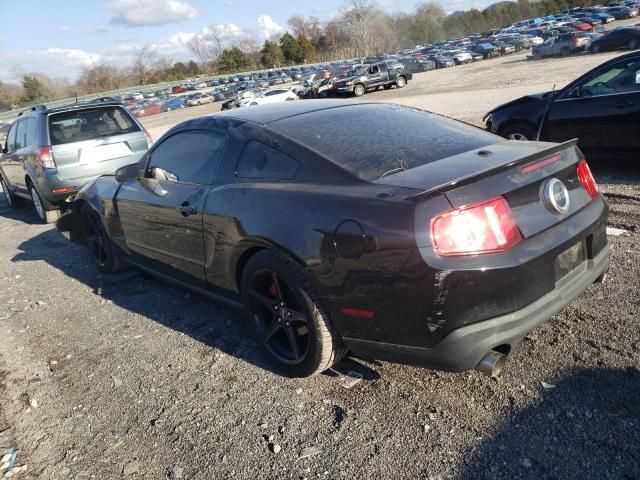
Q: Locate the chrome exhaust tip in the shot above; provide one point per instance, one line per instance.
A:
(492, 364)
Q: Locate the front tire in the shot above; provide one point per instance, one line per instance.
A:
(595, 48)
(12, 200)
(47, 216)
(401, 82)
(101, 248)
(519, 131)
(565, 51)
(287, 317)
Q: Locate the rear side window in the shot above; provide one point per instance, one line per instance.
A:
(80, 125)
(21, 135)
(32, 132)
(259, 161)
(11, 138)
(374, 140)
(190, 156)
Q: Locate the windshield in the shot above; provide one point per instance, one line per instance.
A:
(77, 126)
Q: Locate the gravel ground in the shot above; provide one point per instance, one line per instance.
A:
(110, 376)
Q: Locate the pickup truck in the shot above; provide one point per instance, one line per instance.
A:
(372, 76)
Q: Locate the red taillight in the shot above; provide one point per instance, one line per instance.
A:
(486, 227)
(148, 137)
(63, 190)
(540, 164)
(586, 178)
(45, 157)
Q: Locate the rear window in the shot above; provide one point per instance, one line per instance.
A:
(80, 125)
(371, 141)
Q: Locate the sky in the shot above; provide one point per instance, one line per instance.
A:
(62, 37)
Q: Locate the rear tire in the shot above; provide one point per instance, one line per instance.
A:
(401, 82)
(565, 51)
(359, 90)
(519, 131)
(101, 248)
(47, 216)
(595, 48)
(10, 197)
(290, 323)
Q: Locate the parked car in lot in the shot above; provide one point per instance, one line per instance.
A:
(601, 108)
(178, 89)
(50, 153)
(441, 61)
(367, 77)
(198, 99)
(564, 45)
(622, 13)
(275, 95)
(148, 108)
(417, 65)
(174, 104)
(487, 50)
(617, 39)
(452, 242)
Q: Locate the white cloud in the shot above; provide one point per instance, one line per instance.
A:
(268, 28)
(226, 32)
(65, 28)
(141, 13)
(55, 62)
(230, 3)
(97, 29)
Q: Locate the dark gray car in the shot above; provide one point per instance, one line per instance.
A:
(51, 153)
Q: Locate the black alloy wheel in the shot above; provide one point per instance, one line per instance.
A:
(279, 316)
(96, 241)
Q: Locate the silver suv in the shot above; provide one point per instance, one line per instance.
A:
(51, 153)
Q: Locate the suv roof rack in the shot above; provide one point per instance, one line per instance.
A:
(33, 109)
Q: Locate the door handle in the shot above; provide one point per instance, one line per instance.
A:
(187, 209)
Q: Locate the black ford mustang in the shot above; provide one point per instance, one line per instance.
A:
(382, 230)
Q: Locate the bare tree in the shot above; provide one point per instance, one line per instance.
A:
(359, 18)
(139, 68)
(203, 51)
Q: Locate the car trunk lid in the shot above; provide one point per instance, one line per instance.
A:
(518, 171)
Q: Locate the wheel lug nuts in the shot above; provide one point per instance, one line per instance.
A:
(289, 314)
(276, 307)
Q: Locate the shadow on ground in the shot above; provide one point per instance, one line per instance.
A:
(213, 324)
(588, 426)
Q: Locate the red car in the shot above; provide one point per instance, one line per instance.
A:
(582, 26)
(178, 89)
(148, 109)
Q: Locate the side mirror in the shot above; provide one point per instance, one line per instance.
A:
(128, 172)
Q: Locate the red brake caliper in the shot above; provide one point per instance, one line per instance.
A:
(272, 290)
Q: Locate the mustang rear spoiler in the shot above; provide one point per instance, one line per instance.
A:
(475, 165)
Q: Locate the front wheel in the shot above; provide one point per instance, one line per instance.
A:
(9, 196)
(400, 82)
(101, 248)
(519, 131)
(565, 51)
(47, 216)
(287, 317)
(595, 48)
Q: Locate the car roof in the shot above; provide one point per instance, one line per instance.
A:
(265, 114)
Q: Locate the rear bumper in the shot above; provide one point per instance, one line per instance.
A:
(464, 348)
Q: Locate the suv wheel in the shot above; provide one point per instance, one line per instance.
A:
(359, 90)
(47, 216)
(12, 200)
(565, 51)
(400, 82)
(287, 317)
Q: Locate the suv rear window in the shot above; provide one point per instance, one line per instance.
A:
(371, 141)
(80, 125)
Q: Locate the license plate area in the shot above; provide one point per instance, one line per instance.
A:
(101, 153)
(568, 260)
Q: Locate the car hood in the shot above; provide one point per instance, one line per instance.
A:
(533, 98)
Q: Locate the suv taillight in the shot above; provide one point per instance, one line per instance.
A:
(486, 227)
(44, 157)
(148, 138)
(586, 178)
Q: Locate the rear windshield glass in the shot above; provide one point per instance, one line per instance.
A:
(375, 140)
(76, 126)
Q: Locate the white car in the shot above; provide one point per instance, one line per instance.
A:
(534, 40)
(270, 96)
(459, 56)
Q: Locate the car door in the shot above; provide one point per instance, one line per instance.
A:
(9, 156)
(13, 166)
(603, 111)
(161, 212)
(374, 76)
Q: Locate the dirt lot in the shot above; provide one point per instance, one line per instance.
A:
(104, 377)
